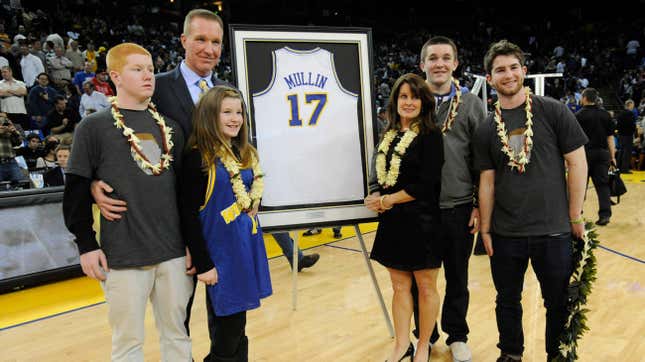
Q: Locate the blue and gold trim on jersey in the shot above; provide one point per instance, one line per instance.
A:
(212, 174)
(340, 84)
(275, 68)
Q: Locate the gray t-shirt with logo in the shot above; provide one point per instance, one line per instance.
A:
(148, 232)
(533, 203)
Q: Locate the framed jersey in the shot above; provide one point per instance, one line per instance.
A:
(311, 112)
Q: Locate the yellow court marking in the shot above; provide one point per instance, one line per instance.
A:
(634, 177)
(48, 300)
(55, 298)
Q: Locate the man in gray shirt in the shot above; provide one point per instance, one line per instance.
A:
(460, 113)
(142, 255)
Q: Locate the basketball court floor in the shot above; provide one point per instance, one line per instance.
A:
(338, 317)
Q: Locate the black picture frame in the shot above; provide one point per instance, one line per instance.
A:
(251, 57)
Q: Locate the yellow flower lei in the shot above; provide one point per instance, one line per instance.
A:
(245, 200)
(388, 179)
(454, 104)
(516, 161)
(135, 148)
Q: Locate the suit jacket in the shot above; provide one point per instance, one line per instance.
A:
(54, 177)
(173, 100)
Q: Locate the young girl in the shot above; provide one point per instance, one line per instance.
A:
(220, 191)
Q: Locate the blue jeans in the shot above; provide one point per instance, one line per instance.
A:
(10, 171)
(286, 244)
(551, 259)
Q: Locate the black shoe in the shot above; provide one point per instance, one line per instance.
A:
(308, 261)
(408, 353)
(506, 358)
(311, 232)
(602, 221)
(337, 234)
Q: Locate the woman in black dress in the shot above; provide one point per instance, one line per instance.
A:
(408, 170)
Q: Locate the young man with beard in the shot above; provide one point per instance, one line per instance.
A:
(459, 114)
(530, 209)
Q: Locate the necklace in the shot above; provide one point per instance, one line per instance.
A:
(454, 104)
(135, 143)
(388, 178)
(521, 159)
(245, 200)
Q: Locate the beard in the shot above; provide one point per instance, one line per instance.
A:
(509, 93)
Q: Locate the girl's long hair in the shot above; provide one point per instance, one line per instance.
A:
(207, 136)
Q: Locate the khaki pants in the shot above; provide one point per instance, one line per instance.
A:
(127, 292)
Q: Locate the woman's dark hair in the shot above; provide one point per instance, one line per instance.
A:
(426, 120)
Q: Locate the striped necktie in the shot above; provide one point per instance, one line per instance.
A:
(203, 86)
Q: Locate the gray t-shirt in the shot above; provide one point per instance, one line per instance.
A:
(148, 232)
(535, 202)
(457, 172)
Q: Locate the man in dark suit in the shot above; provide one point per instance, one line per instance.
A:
(178, 90)
(56, 176)
(176, 93)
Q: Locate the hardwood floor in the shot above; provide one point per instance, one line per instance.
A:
(339, 318)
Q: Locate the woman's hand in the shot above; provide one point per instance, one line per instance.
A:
(373, 202)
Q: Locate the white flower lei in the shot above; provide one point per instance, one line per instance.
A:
(388, 179)
(454, 104)
(516, 161)
(244, 199)
(135, 148)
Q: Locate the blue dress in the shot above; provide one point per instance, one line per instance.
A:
(236, 246)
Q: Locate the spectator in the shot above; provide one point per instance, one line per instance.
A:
(13, 94)
(59, 66)
(37, 50)
(9, 138)
(81, 76)
(61, 119)
(91, 101)
(56, 176)
(48, 160)
(626, 127)
(40, 101)
(90, 55)
(101, 83)
(75, 55)
(32, 151)
(31, 66)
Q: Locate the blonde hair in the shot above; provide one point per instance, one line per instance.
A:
(201, 13)
(117, 55)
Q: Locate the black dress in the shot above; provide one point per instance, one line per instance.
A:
(407, 234)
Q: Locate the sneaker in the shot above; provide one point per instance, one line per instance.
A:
(308, 261)
(311, 232)
(337, 234)
(507, 358)
(602, 221)
(460, 352)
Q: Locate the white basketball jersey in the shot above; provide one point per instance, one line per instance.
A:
(307, 132)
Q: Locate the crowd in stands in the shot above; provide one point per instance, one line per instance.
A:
(54, 72)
